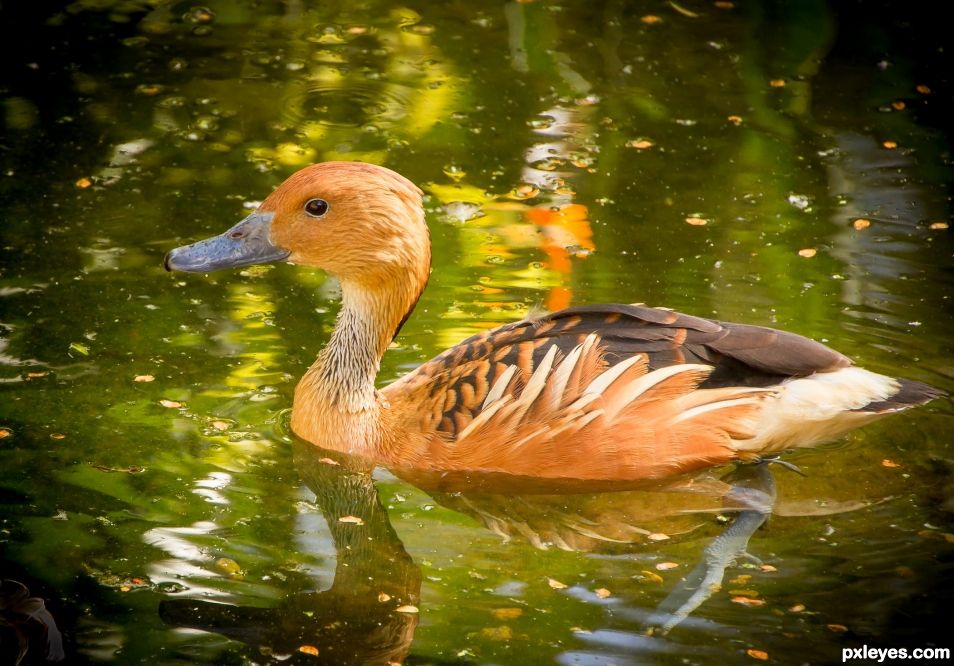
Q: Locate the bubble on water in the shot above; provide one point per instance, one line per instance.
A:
(524, 191)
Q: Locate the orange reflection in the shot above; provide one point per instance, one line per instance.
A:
(565, 232)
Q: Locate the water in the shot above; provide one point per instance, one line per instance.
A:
(145, 465)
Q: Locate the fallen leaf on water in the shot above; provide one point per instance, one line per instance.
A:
(384, 596)
(651, 19)
(683, 10)
(602, 592)
(57, 435)
(724, 4)
(807, 252)
(36, 374)
(124, 588)
(309, 649)
(861, 223)
(938, 225)
(407, 609)
(897, 105)
(83, 183)
(506, 613)
(797, 608)
(923, 89)
(889, 144)
(652, 575)
(503, 633)
(697, 221)
(748, 601)
(666, 566)
(555, 584)
(352, 520)
(170, 404)
(144, 378)
(79, 348)
(220, 425)
(889, 463)
(757, 654)
(768, 568)
(5, 432)
(744, 593)
(735, 120)
(837, 628)
(640, 144)
(137, 581)
(777, 83)
(741, 579)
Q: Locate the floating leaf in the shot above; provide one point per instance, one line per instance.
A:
(923, 89)
(308, 649)
(5, 432)
(735, 120)
(83, 183)
(351, 520)
(741, 579)
(79, 348)
(889, 144)
(640, 144)
(757, 654)
(797, 608)
(807, 252)
(506, 613)
(170, 404)
(555, 584)
(768, 568)
(220, 425)
(144, 378)
(889, 463)
(748, 601)
(666, 566)
(697, 221)
(938, 225)
(602, 592)
(837, 628)
(651, 576)
(777, 83)
(228, 565)
(861, 223)
(407, 609)
(897, 105)
(651, 19)
(384, 596)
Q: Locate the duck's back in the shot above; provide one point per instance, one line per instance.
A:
(689, 392)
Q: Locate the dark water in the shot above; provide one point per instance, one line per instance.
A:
(563, 146)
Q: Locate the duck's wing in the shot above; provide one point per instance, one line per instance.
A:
(446, 393)
(577, 417)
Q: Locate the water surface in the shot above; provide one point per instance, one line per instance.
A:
(783, 164)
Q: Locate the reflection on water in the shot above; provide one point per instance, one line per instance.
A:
(562, 146)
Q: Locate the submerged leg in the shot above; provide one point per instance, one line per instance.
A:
(753, 495)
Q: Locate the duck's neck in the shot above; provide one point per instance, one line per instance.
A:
(336, 405)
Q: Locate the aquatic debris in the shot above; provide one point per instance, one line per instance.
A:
(502, 633)
(228, 566)
(889, 144)
(383, 597)
(79, 348)
(861, 223)
(640, 144)
(602, 592)
(735, 120)
(666, 566)
(144, 378)
(308, 649)
(757, 654)
(83, 183)
(923, 89)
(697, 221)
(506, 613)
(407, 608)
(936, 226)
(747, 601)
(170, 404)
(887, 462)
(5, 432)
(351, 520)
(555, 584)
(807, 252)
(797, 608)
(837, 628)
(777, 83)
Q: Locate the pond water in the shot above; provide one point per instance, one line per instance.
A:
(782, 163)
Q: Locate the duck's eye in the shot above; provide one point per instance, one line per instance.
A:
(316, 207)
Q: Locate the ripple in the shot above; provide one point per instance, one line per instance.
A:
(349, 105)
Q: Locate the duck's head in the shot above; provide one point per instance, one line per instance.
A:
(360, 222)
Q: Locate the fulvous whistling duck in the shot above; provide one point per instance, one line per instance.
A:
(603, 393)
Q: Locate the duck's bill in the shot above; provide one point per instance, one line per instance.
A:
(244, 244)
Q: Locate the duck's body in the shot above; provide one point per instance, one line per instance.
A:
(613, 393)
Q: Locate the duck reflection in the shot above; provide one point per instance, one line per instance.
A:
(369, 614)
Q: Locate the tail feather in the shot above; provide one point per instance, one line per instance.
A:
(910, 394)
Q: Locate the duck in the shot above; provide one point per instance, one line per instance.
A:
(605, 393)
